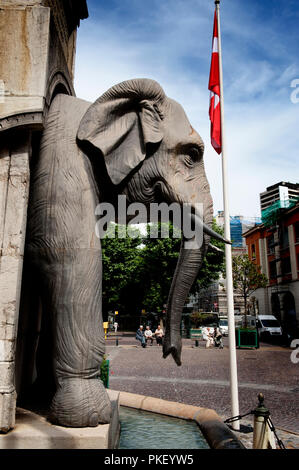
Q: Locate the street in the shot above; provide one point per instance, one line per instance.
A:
(203, 378)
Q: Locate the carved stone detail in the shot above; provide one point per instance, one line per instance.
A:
(14, 191)
(30, 120)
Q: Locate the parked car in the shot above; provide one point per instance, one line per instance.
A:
(239, 322)
(223, 325)
(268, 325)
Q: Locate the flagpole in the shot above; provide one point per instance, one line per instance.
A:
(228, 249)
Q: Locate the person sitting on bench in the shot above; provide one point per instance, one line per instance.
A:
(159, 335)
(148, 335)
(140, 336)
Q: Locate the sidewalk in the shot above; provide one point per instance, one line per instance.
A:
(203, 379)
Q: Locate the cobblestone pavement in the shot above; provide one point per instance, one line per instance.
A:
(203, 380)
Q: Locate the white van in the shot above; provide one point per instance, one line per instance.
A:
(223, 325)
(268, 325)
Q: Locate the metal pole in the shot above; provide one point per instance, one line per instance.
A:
(228, 250)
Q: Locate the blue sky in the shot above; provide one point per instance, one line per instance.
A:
(170, 41)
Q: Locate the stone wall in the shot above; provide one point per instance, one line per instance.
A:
(37, 53)
(24, 35)
(14, 188)
(38, 44)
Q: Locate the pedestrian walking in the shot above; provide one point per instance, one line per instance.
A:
(115, 326)
(140, 336)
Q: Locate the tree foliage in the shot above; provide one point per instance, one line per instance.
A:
(121, 261)
(137, 272)
(202, 319)
(247, 277)
(159, 259)
(213, 263)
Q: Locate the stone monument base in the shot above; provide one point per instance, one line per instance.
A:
(33, 431)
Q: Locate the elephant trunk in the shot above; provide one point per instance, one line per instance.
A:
(187, 268)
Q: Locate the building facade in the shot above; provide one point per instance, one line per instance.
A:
(214, 297)
(274, 246)
(238, 225)
(281, 194)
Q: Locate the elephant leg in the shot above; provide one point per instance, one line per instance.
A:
(72, 284)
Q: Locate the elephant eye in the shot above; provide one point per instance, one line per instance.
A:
(193, 156)
(188, 160)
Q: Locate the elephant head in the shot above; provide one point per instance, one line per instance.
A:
(153, 154)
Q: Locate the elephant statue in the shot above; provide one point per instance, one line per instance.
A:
(133, 141)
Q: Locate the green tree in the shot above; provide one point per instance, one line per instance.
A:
(201, 319)
(137, 272)
(247, 277)
(121, 260)
(213, 263)
(159, 259)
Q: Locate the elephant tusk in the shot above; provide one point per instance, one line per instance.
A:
(213, 234)
(215, 248)
(206, 229)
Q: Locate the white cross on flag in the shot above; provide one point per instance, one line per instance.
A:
(214, 87)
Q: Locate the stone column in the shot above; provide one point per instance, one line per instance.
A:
(263, 256)
(14, 189)
(264, 295)
(277, 257)
(38, 39)
(292, 252)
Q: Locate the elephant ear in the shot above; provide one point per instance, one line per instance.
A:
(122, 122)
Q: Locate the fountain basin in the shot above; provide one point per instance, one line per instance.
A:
(215, 432)
(146, 430)
(203, 426)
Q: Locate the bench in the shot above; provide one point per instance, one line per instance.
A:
(196, 334)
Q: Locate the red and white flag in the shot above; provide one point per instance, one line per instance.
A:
(214, 87)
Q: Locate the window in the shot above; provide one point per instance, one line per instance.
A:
(253, 255)
(270, 323)
(273, 272)
(270, 244)
(296, 227)
(286, 265)
(284, 240)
